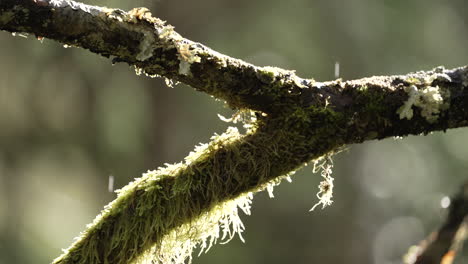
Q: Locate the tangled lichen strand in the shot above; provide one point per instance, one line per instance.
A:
(325, 193)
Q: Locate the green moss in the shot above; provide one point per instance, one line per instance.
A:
(6, 17)
(268, 74)
(183, 205)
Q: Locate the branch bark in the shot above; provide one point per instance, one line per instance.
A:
(442, 246)
(296, 120)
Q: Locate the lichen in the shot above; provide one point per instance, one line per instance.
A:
(187, 52)
(325, 193)
(428, 99)
(146, 46)
(170, 82)
(167, 33)
(270, 186)
(187, 56)
(220, 224)
(93, 10)
(426, 92)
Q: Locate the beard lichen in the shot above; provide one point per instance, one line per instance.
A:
(325, 194)
(220, 224)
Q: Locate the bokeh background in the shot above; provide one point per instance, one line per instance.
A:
(69, 120)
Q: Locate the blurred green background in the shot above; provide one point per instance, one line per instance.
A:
(69, 120)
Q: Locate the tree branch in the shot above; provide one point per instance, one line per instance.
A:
(154, 48)
(442, 246)
(296, 120)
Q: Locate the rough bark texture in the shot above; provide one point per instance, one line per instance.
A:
(297, 120)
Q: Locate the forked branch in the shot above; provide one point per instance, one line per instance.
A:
(167, 212)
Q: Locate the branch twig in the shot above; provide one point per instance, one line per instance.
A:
(442, 246)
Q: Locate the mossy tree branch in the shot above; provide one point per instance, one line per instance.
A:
(296, 120)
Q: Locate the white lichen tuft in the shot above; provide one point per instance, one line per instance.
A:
(429, 100)
(245, 116)
(139, 71)
(406, 110)
(269, 187)
(167, 32)
(170, 83)
(325, 194)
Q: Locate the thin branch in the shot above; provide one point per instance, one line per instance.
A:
(139, 39)
(151, 46)
(297, 120)
(442, 246)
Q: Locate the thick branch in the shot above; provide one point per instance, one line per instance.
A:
(146, 42)
(221, 172)
(232, 165)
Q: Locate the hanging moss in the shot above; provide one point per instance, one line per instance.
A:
(166, 213)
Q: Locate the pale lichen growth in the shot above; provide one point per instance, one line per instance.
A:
(220, 224)
(147, 43)
(146, 46)
(170, 83)
(423, 93)
(187, 56)
(93, 10)
(406, 110)
(245, 116)
(202, 150)
(325, 194)
(18, 34)
(272, 184)
(428, 99)
(167, 33)
(139, 71)
(187, 52)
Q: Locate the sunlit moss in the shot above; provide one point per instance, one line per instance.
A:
(167, 213)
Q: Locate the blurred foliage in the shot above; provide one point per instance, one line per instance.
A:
(69, 120)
